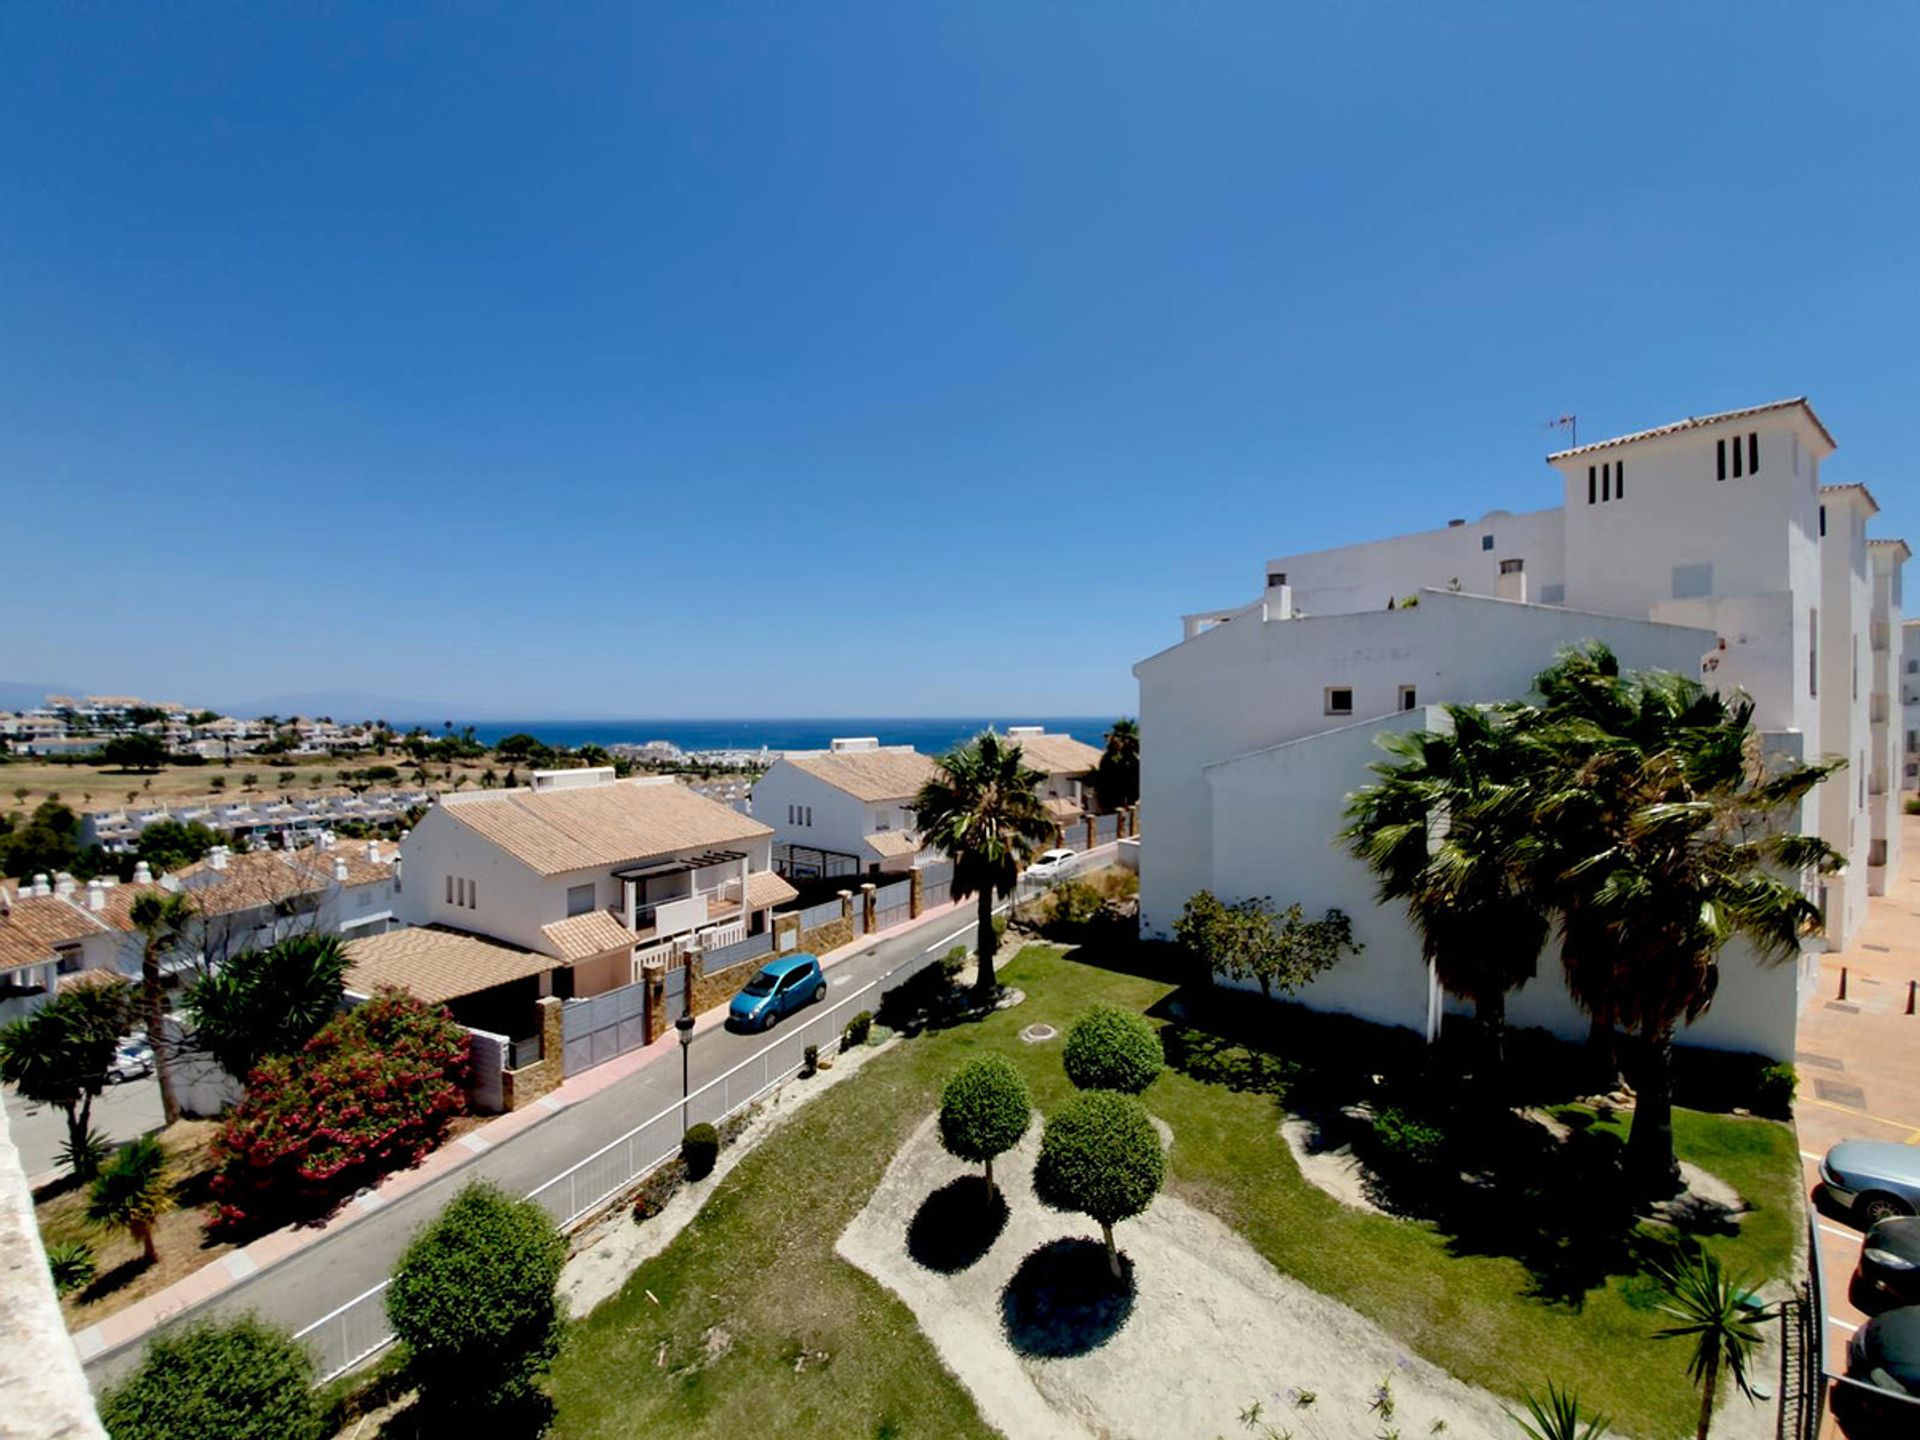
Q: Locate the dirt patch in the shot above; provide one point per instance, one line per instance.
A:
(1203, 1328)
(1332, 1168)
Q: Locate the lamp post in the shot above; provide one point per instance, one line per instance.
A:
(685, 1026)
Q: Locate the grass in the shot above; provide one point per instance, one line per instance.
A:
(749, 1314)
(85, 787)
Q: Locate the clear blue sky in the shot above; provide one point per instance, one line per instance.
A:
(897, 359)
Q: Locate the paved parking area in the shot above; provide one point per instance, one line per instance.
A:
(1859, 1065)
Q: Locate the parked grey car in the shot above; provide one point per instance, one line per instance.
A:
(1874, 1179)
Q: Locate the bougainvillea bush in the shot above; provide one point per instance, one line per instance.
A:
(372, 1092)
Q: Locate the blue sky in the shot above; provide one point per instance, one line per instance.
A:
(887, 358)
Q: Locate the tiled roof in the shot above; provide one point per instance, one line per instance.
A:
(1061, 808)
(870, 775)
(764, 888)
(249, 880)
(1695, 422)
(1906, 550)
(1056, 754)
(554, 831)
(888, 844)
(1854, 488)
(437, 962)
(593, 933)
(38, 923)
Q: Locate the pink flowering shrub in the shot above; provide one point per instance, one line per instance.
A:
(372, 1092)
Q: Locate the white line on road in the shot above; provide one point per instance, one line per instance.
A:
(1808, 1155)
(1846, 1325)
(961, 931)
(1836, 1230)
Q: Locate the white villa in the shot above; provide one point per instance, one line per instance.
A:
(843, 811)
(1707, 547)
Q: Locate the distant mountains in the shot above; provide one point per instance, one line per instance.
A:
(26, 694)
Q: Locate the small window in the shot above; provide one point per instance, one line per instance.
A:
(449, 889)
(1722, 445)
(1486, 542)
(579, 899)
(809, 820)
(1593, 483)
(1339, 700)
(1753, 453)
(1606, 483)
(1512, 567)
(473, 894)
(1813, 652)
(1619, 479)
(1408, 697)
(1823, 520)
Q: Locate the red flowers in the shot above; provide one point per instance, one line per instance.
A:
(372, 1092)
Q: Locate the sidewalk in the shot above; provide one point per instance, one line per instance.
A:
(229, 1270)
(1859, 1064)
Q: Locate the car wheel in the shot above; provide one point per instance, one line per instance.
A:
(773, 1018)
(1876, 1206)
(819, 992)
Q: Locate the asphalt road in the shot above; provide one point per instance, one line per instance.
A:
(123, 1112)
(350, 1261)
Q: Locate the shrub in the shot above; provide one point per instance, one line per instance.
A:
(84, 1156)
(857, 1029)
(1405, 1145)
(657, 1189)
(1778, 1085)
(954, 961)
(1112, 1049)
(241, 1380)
(699, 1148)
(372, 1092)
(1101, 1157)
(984, 1110)
(72, 1265)
(472, 1300)
(810, 1060)
(1072, 906)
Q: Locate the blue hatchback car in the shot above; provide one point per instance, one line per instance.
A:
(781, 987)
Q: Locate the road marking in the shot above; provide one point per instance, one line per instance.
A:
(1836, 1230)
(1852, 1110)
(1846, 1325)
(1809, 1155)
(961, 931)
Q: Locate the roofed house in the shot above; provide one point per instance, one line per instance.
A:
(1067, 765)
(843, 811)
(590, 875)
(42, 937)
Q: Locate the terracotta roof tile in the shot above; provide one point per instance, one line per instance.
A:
(1057, 754)
(37, 924)
(438, 963)
(554, 831)
(764, 889)
(587, 935)
(1695, 422)
(870, 775)
(890, 844)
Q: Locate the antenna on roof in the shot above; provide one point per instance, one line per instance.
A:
(1571, 424)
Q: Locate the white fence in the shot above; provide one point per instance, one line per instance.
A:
(358, 1330)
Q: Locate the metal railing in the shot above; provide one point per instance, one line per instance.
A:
(355, 1332)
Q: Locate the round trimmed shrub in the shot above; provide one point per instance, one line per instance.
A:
(1112, 1049)
(1101, 1157)
(241, 1380)
(472, 1300)
(984, 1110)
(699, 1149)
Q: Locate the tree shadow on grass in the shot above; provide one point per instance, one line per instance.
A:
(956, 1225)
(1064, 1301)
(108, 1281)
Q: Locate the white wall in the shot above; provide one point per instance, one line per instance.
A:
(840, 822)
(1356, 578)
(511, 900)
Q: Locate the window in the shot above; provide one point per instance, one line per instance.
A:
(1753, 452)
(579, 898)
(1408, 698)
(1486, 542)
(1606, 482)
(473, 894)
(1512, 567)
(1721, 466)
(1339, 700)
(808, 821)
(1593, 483)
(449, 889)
(1813, 652)
(1745, 451)
(1823, 521)
(1619, 479)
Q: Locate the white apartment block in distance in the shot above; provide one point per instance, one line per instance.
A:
(1910, 706)
(1708, 547)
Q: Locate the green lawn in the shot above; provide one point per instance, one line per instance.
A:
(812, 1347)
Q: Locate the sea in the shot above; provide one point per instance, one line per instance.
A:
(930, 736)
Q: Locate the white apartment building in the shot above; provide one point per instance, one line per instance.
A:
(1707, 547)
(595, 874)
(847, 810)
(1910, 705)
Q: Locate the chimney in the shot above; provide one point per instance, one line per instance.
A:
(142, 874)
(63, 885)
(326, 839)
(373, 852)
(1279, 601)
(217, 857)
(40, 886)
(96, 895)
(1513, 581)
(340, 868)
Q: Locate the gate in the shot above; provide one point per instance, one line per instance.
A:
(609, 1025)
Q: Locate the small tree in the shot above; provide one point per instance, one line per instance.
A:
(1249, 940)
(473, 1301)
(1711, 1307)
(1112, 1049)
(267, 1002)
(240, 1380)
(984, 1110)
(135, 752)
(132, 1191)
(1100, 1157)
(59, 1055)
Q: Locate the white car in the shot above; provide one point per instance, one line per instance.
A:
(132, 1060)
(1053, 865)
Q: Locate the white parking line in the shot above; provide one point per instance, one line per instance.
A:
(1808, 1155)
(1836, 1230)
(1846, 1325)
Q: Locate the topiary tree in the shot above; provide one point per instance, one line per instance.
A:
(1112, 1049)
(700, 1150)
(241, 1380)
(1101, 1158)
(984, 1110)
(472, 1300)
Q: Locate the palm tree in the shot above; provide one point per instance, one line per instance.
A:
(267, 1002)
(1668, 827)
(1714, 1313)
(1449, 831)
(1116, 780)
(131, 1192)
(162, 920)
(59, 1054)
(983, 810)
(1558, 1417)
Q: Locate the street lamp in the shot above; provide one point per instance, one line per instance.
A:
(685, 1026)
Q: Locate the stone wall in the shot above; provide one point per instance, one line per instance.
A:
(520, 1088)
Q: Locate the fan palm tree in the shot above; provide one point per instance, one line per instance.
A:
(1449, 831)
(162, 921)
(1713, 1312)
(982, 808)
(1669, 827)
(1116, 780)
(132, 1191)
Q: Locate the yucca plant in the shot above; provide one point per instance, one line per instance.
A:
(1558, 1417)
(71, 1262)
(1713, 1311)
